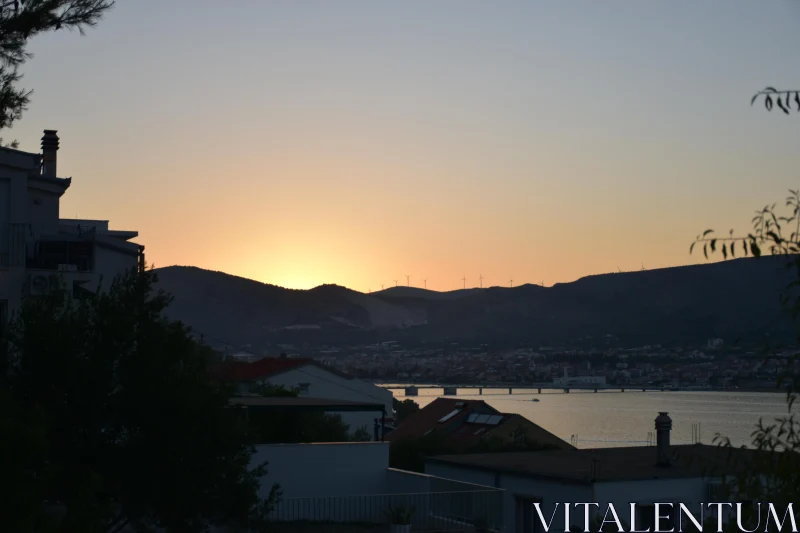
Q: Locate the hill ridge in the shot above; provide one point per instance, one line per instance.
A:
(720, 299)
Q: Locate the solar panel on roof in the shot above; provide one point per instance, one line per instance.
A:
(482, 419)
(494, 420)
(471, 418)
(447, 417)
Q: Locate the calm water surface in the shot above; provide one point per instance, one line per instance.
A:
(613, 418)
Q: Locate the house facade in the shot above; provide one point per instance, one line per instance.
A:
(38, 248)
(643, 475)
(313, 380)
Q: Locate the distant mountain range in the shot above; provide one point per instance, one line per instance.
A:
(730, 299)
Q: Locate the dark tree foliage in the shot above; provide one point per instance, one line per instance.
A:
(273, 427)
(783, 100)
(20, 20)
(291, 427)
(779, 439)
(114, 421)
(402, 409)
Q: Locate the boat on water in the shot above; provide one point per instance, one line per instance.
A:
(535, 400)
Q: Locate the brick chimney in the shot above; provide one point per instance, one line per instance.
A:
(663, 428)
(49, 149)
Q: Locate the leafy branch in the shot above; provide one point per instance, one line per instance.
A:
(780, 235)
(20, 20)
(778, 443)
(783, 99)
(769, 232)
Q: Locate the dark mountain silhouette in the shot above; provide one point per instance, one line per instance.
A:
(730, 299)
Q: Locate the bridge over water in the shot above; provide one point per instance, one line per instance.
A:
(452, 390)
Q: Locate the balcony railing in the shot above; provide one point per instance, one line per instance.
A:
(432, 511)
(61, 255)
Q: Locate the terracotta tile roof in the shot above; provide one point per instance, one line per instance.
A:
(533, 432)
(301, 402)
(426, 420)
(462, 430)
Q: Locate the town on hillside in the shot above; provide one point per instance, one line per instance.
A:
(711, 366)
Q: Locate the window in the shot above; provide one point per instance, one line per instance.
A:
(303, 387)
(494, 420)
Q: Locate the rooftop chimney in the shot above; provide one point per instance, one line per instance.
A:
(49, 149)
(663, 428)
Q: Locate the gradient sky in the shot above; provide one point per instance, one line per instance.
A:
(354, 142)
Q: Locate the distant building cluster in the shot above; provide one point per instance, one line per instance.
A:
(688, 367)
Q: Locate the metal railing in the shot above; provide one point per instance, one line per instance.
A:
(432, 511)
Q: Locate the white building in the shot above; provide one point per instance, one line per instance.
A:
(352, 483)
(620, 476)
(37, 246)
(314, 381)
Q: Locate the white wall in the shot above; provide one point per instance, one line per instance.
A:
(326, 469)
(12, 279)
(109, 264)
(690, 491)
(352, 482)
(327, 385)
(43, 209)
(550, 492)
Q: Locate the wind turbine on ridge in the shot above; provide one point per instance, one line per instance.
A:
(425, 281)
(464, 279)
(395, 283)
(511, 283)
(408, 280)
(480, 277)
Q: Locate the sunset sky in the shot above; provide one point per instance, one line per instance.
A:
(354, 142)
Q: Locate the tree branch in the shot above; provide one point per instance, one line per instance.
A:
(785, 105)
